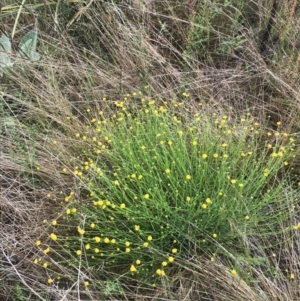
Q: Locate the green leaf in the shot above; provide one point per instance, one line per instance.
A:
(28, 46)
(5, 50)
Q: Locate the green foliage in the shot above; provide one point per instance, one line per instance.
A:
(27, 50)
(157, 178)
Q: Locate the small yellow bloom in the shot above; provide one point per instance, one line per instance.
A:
(146, 196)
(188, 177)
(174, 250)
(214, 235)
(45, 265)
(86, 283)
(78, 252)
(127, 243)
(50, 280)
(136, 227)
(233, 181)
(68, 211)
(233, 272)
(46, 251)
(208, 201)
(87, 246)
(54, 223)
(38, 242)
(106, 240)
(145, 244)
(54, 142)
(204, 206)
(53, 236)
(92, 225)
(140, 177)
(138, 262)
(204, 156)
(164, 263)
(171, 258)
(170, 142)
(292, 276)
(160, 272)
(122, 206)
(149, 238)
(133, 268)
(188, 198)
(127, 250)
(96, 250)
(80, 231)
(215, 155)
(167, 170)
(247, 217)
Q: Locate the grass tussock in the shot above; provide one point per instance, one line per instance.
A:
(151, 153)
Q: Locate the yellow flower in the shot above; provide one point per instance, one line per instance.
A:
(167, 170)
(146, 196)
(208, 201)
(74, 210)
(233, 181)
(97, 239)
(174, 250)
(215, 155)
(86, 283)
(188, 198)
(160, 272)
(53, 236)
(214, 235)
(127, 250)
(136, 227)
(47, 250)
(127, 243)
(92, 225)
(133, 268)
(80, 231)
(68, 211)
(54, 223)
(171, 258)
(87, 246)
(204, 156)
(45, 265)
(145, 244)
(78, 252)
(233, 272)
(122, 206)
(204, 206)
(170, 142)
(106, 240)
(188, 177)
(38, 242)
(149, 238)
(96, 250)
(292, 276)
(140, 177)
(138, 262)
(247, 217)
(113, 241)
(49, 280)
(164, 263)
(194, 142)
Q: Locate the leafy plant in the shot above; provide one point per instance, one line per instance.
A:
(27, 49)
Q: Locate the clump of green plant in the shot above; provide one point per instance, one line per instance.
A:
(157, 177)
